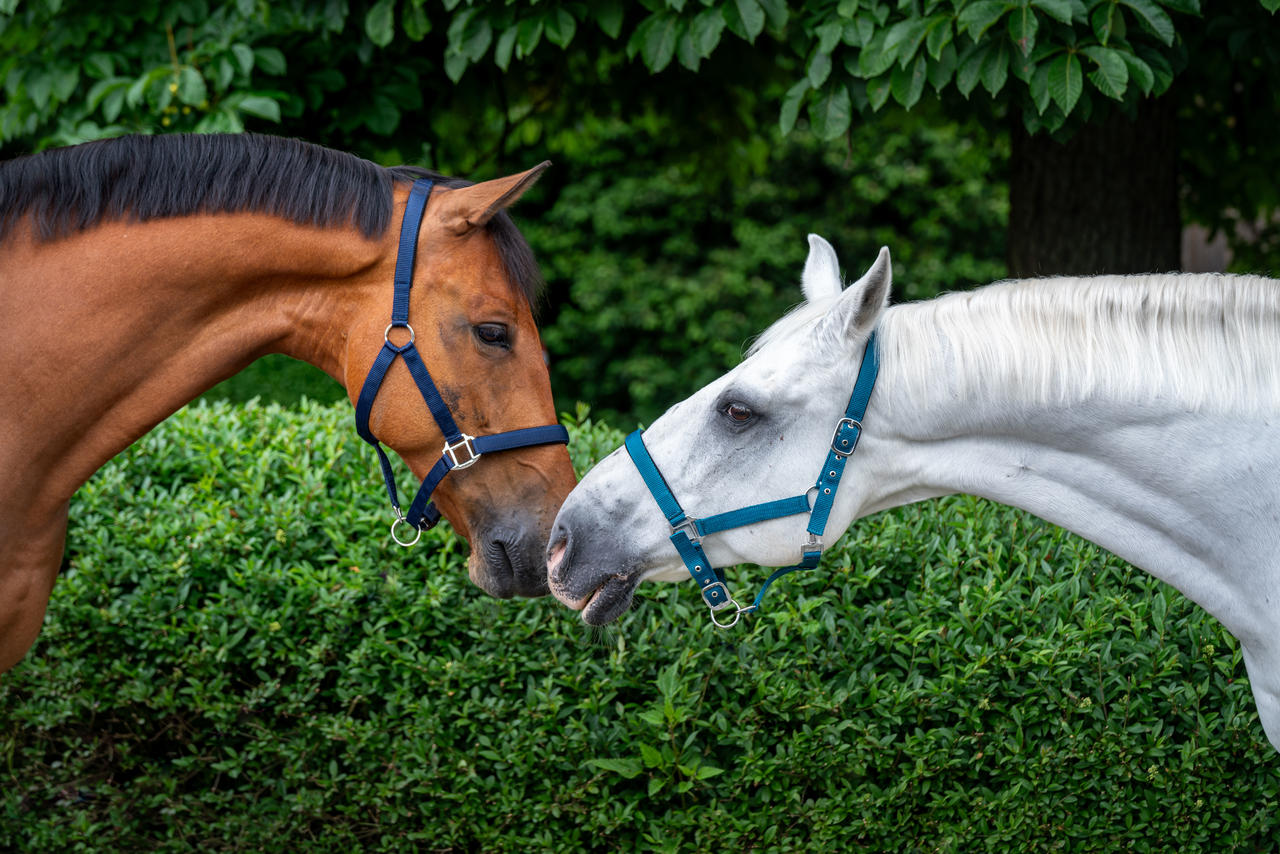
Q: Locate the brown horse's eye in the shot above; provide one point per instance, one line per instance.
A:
(739, 412)
(493, 334)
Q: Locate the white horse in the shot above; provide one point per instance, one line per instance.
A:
(1138, 412)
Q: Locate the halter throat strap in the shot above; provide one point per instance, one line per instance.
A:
(687, 532)
(460, 450)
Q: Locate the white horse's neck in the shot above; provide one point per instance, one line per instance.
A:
(1156, 443)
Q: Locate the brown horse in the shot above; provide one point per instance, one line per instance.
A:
(136, 273)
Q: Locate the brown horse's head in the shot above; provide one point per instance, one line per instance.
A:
(474, 328)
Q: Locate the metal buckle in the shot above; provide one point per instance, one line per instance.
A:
(840, 425)
(812, 543)
(690, 528)
(465, 442)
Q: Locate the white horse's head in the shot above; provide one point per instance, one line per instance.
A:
(759, 432)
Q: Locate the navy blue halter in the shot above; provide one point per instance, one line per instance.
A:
(460, 450)
(687, 532)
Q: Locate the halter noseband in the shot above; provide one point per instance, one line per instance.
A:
(687, 532)
(460, 449)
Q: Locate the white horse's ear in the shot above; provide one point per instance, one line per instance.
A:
(821, 276)
(859, 307)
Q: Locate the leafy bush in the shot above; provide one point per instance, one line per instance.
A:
(236, 659)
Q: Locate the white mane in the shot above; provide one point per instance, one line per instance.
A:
(1207, 341)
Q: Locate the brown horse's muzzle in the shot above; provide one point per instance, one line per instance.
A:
(508, 558)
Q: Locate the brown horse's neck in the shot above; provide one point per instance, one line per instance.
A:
(110, 331)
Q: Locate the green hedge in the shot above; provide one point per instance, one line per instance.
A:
(236, 660)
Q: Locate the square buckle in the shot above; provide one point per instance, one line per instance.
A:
(464, 443)
(845, 447)
(728, 598)
(689, 526)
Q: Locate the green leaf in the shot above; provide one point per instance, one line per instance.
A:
(261, 106)
(244, 57)
(1271, 5)
(940, 35)
(1065, 82)
(1023, 26)
(270, 60)
(705, 30)
(829, 35)
(1039, 88)
(112, 104)
(1154, 18)
(942, 70)
(878, 91)
(687, 52)
(1139, 72)
(191, 87)
(776, 11)
(530, 34)
(1111, 77)
(659, 43)
(831, 112)
(995, 69)
(903, 39)
(908, 85)
(969, 68)
(628, 768)
(651, 756)
(609, 15)
(977, 18)
(745, 18)
(1059, 10)
(859, 31)
(706, 772)
(102, 89)
(874, 60)
(819, 69)
(39, 86)
(506, 45)
(669, 680)
(415, 22)
(379, 22)
(1159, 66)
(560, 28)
(791, 106)
(99, 65)
(1107, 22)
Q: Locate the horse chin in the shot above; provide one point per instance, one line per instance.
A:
(503, 564)
(610, 600)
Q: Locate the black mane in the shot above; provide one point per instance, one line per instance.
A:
(140, 178)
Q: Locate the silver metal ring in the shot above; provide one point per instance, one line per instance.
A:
(738, 611)
(406, 544)
(386, 334)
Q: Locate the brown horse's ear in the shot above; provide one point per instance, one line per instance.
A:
(472, 207)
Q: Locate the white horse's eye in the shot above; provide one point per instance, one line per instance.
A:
(739, 412)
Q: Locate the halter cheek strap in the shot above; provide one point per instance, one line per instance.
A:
(460, 450)
(687, 532)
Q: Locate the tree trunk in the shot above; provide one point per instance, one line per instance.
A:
(1106, 201)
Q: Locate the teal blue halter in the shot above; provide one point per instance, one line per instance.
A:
(687, 532)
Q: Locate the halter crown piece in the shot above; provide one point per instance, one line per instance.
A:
(687, 532)
(460, 450)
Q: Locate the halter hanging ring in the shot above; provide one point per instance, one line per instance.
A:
(738, 611)
(405, 543)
